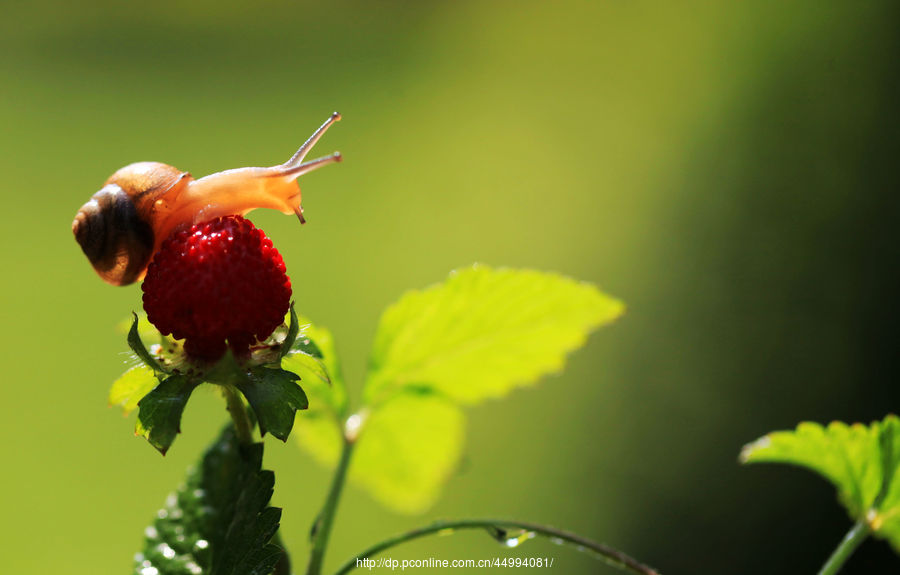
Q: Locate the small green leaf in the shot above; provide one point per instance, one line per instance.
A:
(315, 358)
(219, 522)
(293, 330)
(129, 389)
(483, 332)
(860, 461)
(407, 449)
(145, 329)
(159, 418)
(275, 397)
(306, 364)
(307, 346)
(319, 431)
(137, 346)
(306, 338)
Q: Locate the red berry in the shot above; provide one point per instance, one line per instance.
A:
(219, 281)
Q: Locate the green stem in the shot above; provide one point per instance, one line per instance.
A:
(609, 555)
(848, 545)
(322, 529)
(242, 427)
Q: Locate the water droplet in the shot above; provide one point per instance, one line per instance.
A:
(151, 533)
(521, 538)
(556, 541)
(198, 493)
(171, 500)
(201, 544)
(193, 568)
(162, 513)
(166, 551)
(149, 571)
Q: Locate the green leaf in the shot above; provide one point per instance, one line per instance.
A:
(137, 346)
(146, 330)
(483, 332)
(219, 521)
(159, 418)
(275, 397)
(860, 461)
(407, 449)
(129, 389)
(319, 431)
(306, 365)
(478, 335)
(307, 346)
(293, 330)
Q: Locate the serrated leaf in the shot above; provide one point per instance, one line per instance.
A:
(275, 397)
(219, 521)
(483, 332)
(159, 416)
(478, 335)
(407, 449)
(129, 389)
(137, 346)
(860, 461)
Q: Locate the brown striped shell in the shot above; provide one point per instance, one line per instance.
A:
(115, 228)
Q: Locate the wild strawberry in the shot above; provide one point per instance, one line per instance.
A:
(220, 281)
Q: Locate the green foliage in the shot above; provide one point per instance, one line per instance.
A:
(134, 384)
(319, 430)
(137, 346)
(164, 380)
(275, 397)
(314, 357)
(293, 331)
(219, 521)
(860, 461)
(159, 418)
(407, 449)
(478, 335)
(483, 332)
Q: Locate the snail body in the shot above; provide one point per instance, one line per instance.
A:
(123, 225)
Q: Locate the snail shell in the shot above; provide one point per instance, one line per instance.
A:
(123, 225)
(115, 228)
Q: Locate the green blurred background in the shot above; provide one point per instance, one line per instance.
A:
(727, 169)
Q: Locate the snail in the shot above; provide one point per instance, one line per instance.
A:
(124, 224)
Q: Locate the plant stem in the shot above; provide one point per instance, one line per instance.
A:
(322, 529)
(845, 549)
(242, 427)
(607, 554)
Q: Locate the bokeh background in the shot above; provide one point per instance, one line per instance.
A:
(728, 169)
